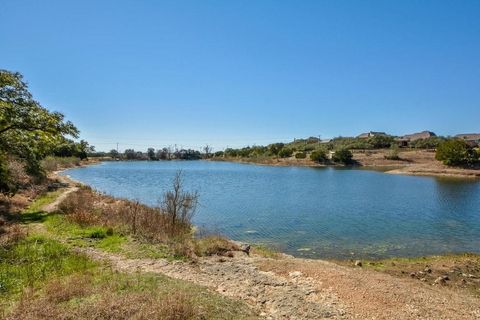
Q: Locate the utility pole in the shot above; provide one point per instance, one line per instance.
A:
(118, 155)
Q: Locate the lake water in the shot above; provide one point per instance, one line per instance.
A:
(311, 212)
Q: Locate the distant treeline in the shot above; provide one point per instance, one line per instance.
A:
(285, 150)
(152, 154)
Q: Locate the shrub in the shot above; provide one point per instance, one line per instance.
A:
(318, 156)
(285, 153)
(393, 153)
(300, 155)
(381, 141)
(456, 152)
(343, 156)
(179, 206)
(214, 245)
(428, 143)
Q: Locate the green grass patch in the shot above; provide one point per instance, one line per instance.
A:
(265, 251)
(31, 261)
(113, 243)
(34, 212)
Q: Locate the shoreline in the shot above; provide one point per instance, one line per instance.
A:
(71, 183)
(425, 169)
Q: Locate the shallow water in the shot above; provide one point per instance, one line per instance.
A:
(311, 212)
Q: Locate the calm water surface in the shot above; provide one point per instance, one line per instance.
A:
(313, 212)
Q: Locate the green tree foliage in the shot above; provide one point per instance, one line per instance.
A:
(6, 183)
(130, 154)
(285, 152)
(70, 148)
(380, 141)
(28, 131)
(114, 153)
(151, 154)
(300, 155)
(454, 152)
(429, 143)
(319, 156)
(343, 156)
(275, 148)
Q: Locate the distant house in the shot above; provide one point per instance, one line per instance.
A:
(418, 136)
(473, 139)
(370, 134)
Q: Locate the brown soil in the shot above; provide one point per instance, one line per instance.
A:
(368, 294)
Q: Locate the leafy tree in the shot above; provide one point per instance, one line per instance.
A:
(114, 153)
(130, 154)
(6, 183)
(343, 156)
(28, 131)
(275, 148)
(285, 152)
(381, 141)
(318, 156)
(428, 143)
(151, 154)
(219, 154)
(454, 152)
(229, 152)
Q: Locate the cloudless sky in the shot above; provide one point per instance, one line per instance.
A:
(233, 73)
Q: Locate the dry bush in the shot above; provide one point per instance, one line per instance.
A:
(10, 234)
(215, 245)
(17, 172)
(79, 207)
(179, 206)
(83, 218)
(80, 201)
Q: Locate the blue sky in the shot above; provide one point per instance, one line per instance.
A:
(233, 73)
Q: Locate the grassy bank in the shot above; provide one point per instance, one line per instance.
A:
(42, 276)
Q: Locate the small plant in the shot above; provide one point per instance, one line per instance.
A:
(392, 153)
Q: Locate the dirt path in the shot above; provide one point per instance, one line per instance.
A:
(272, 296)
(292, 288)
(373, 295)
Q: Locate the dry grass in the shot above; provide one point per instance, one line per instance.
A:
(104, 294)
(105, 305)
(10, 234)
(85, 207)
(215, 245)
